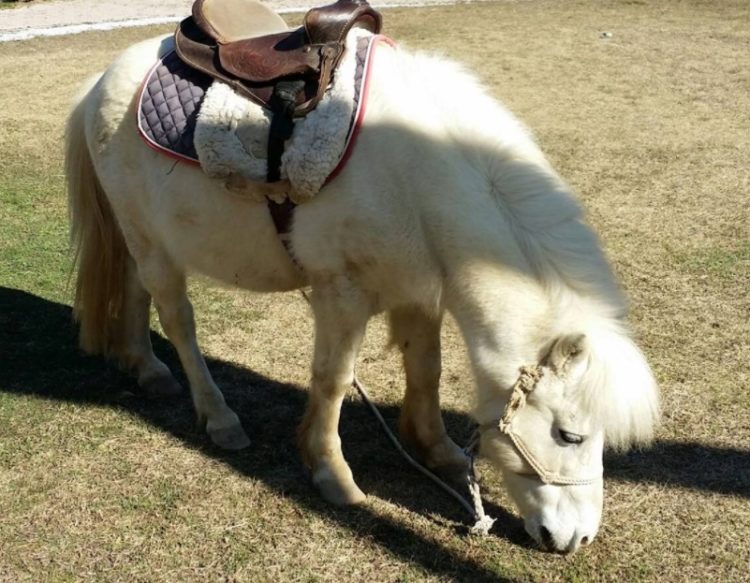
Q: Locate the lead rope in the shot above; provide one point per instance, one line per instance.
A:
(482, 522)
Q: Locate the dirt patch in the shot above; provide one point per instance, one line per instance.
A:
(40, 15)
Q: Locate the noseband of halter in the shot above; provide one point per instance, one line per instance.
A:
(526, 383)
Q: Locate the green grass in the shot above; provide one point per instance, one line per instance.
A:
(34, 222)
(97, 483)
(727, 263)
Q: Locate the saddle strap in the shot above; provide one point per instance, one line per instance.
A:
(282, 125)
(281, 215)
(282, 105)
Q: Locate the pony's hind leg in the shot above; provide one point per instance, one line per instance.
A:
(421, 424)
(341, 312)
(166, 284)
(154, 378)
(110, 305)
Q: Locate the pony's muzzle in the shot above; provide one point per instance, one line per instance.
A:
(579, 540)
(558, 542)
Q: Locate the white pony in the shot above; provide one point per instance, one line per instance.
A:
(446, 204)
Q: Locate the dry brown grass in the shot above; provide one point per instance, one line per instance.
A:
(649, 126)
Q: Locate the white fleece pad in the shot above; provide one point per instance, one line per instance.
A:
(231, 134)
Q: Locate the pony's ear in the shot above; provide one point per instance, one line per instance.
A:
(566, 351)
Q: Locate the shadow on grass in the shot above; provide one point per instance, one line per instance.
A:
(689, 465)
(40, 358)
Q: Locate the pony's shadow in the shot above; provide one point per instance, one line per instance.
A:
(41, 358)
(39, 354)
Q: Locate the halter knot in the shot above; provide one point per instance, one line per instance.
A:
(527, 380)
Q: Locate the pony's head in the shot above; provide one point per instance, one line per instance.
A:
(549, 440)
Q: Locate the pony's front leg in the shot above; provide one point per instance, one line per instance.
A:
(417, 335)
(341, 313)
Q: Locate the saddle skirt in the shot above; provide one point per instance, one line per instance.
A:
(194, 118)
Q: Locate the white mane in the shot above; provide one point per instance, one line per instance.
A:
(562, 251)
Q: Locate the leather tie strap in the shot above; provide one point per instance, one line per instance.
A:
(282, 105)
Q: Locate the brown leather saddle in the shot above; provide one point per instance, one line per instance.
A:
(248, 46)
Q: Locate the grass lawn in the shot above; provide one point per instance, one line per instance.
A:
(649, 125)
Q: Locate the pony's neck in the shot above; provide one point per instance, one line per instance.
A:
(519, 264)
(508, 320)
(504, 318)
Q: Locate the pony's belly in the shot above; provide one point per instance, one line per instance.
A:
(241, 260)
(227, 237)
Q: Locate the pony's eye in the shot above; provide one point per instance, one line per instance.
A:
(569, 437)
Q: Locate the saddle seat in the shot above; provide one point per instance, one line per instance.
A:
(248, 46)
(235, 20)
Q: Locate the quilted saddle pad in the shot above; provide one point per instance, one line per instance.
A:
(176, 100)
(171, 97)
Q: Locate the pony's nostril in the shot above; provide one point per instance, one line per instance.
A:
(546, 536)
(584, 541)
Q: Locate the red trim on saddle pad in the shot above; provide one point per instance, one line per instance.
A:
(167, 152)
(146, 132)
(362, 105)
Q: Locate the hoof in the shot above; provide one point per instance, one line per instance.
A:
(232, 438)
(161, 387)
(455, 474)
(449, 462)
(337, 492)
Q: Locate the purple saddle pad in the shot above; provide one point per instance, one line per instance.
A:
(169, 102)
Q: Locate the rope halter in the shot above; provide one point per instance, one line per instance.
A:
(527, 381)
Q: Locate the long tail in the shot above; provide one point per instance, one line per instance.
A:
(98, 244)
